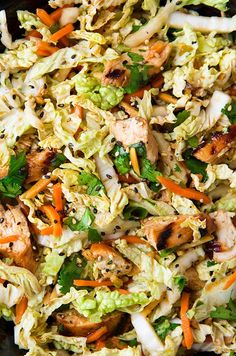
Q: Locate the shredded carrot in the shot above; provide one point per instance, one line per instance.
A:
(20, 309)
(100, 344)
(64, 41)
(85, 283)
(45, 17)
(79, 111)
(123, 291)
(118, 344)
(55, 15)
(54, 218)
(8, 239)
(47, 231)
(133, 239)
(37, 188)
(167, 98)
(134, 160)
(184, 192)
(230, 281)
(57, 196)
(155, 48)
(97, 334)
(44, 46)
(188, 336)
(64, 31)
(34, 33)
(2, 280)
(42, 53)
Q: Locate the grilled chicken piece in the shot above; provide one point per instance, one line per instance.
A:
(135, 130)
(226, 235)
(109, 261)
(116, 72)
(194, 282)
(13, 222)
(78, 325)
(38, 163)
(166, 231)
(220, 143)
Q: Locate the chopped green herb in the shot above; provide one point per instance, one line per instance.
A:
(193, 142)
(211, 263)
(54, 28)
(93, 235)
(134, 213)
(140, 149)
(181, 117)
(148, 170)
(197, 167)
(165, 252)
(58, 160)
(11, 185)
(135, 57)
(225, 313)
(94, 185)
(138, 77)
(135, 28)
(69, 271)
(163, 326)
(181, 282)
(177, 168)
(132, 343)
(230, 111)
(121, 159)
(82, 225)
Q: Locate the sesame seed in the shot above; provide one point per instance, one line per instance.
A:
(108, 176)
(1, 220)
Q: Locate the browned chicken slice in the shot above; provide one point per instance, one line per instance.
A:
(220, 143)
(109, 261)
(78, 325)
(117, 73)
(194, 282)
(38, 163)
(166, 231)
(135, 130)
(14, 223)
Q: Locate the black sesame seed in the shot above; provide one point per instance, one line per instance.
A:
(113, 139)
(213, 279)
(55, 221)
(177, 265)
(211, 273)
(108, 176)
(10, 244)
(14, 96)
(73, 210)
(95, 210)
(117, 227)
(33, 27)
(97, 188)
(2, 136)
(61, 105)
(47, 176)
(31, 86)
(103, 233)
(41, 114)
(17, 138)
(73, 56)
(19, 222)
(61, 254)
(70, 145)
(45, 86)
(135, 190)
(5, 284)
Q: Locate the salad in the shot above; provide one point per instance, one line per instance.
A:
(117, 178)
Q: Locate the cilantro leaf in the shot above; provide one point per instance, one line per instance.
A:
(181, 117)
(181, 282)
(140, 149)
(82, 225)
(135, 57)
(69, 271)
(138, 77)
(93, 235)
(148, 170)
(93, 183)
(121, 159)
(135, 28)
(230, 111)
(58, 160)
(162, 327)
(165, 252)
(226, 313)
(134, 213)
(177, 168)
(211, 263)
(193, 142)
(197, 167)
(11, 185)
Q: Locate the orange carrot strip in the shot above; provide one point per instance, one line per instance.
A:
(2, 280)
(47, 47)
(100, 344)
(64, 31)
(188, 336)
(97, 334)
(85, 283)
(43, 53)
(34, 33)
(7, 239)
(55, 15)
(20, 309)
(230, 281)
(123, 291)
(133, 239)
(118, 344)
(45, 17)
(134, 160)
(184, 192)
(54, 218)
(57, 196)
(37, 188)
(79, 111)
(47, 231)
